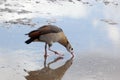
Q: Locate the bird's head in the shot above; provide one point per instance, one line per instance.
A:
(64, 41)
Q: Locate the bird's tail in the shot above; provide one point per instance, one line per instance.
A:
(29, 41)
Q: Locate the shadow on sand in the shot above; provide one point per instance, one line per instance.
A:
(48, 73)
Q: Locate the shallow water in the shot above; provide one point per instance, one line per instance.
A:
(94, 34)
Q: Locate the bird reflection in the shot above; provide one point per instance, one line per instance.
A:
(48, 73)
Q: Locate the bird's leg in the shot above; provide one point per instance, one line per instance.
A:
(45, 50)
(55, 52)
(45, 59)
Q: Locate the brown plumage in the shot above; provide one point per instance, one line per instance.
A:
(49, 34)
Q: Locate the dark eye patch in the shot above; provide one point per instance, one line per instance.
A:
(71, 48)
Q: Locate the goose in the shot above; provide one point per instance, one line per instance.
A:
(49, 34)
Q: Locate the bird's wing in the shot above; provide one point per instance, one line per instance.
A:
(34, 34)
(46, 29)
(49, 29)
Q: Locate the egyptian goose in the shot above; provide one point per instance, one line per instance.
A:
(50, 34)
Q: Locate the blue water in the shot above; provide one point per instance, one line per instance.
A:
(96, 46)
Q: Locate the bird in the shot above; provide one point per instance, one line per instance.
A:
(49, 34)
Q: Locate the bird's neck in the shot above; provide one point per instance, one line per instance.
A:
(64, 41)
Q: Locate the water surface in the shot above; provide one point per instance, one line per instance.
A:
(92, 28)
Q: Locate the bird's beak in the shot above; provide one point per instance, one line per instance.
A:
(72, 53)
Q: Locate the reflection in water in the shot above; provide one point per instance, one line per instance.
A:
(48, 73)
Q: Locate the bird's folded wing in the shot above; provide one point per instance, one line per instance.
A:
(44, 30)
